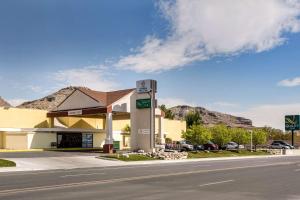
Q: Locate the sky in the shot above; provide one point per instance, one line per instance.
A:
(237, 57)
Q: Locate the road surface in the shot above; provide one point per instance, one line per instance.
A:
(276, 178)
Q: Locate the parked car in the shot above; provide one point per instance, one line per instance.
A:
(198, 147)
(210, 146)
(232, 146)
(186, 146)
(279, 144)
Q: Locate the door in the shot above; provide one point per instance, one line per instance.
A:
(69, 140)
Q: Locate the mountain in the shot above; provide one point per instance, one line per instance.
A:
(49, 102)
(211, 117)
(4, 103)
(208, 117)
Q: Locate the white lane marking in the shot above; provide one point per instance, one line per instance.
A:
(74, 175)
(107, 181)
(215, 183)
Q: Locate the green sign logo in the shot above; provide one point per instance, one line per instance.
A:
(292, 122)
(143, 103)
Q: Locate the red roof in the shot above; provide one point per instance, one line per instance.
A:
(107, 98)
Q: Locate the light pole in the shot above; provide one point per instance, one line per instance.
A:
(251, 140)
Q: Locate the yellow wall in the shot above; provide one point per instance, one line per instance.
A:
(86, 123)
(173, 129)
(119, 125)
(15, 141)
(23, 118)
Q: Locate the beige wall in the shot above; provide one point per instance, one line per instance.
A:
(173, 129)
(15, 141)
(23, 118)
(98, 139)
(40, 140)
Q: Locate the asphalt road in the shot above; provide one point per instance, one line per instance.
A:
(263, 178)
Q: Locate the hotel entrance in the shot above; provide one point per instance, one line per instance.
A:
(74, 140)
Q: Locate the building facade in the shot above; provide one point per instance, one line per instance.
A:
(85, 119)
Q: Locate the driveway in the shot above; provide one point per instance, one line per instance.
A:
(28, 161)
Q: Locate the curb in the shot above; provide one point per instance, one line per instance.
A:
(153, 162)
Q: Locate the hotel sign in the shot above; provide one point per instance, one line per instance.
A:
(143, 103)
(74, 112)
(292, 122)
(143, 86)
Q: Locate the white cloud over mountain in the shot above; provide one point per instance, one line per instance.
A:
(201, 29)
(270, 115)
(290, 82)
(94, 77)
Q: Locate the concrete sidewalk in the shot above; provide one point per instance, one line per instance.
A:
(51, 163)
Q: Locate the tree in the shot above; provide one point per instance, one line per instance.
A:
(221, 135)
(240, 136)
(259, 137)
(193, 118)
(168, 113)
(126, 129)
(197, 134)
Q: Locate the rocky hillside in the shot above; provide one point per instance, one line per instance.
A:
(3, 103)
(49, 102)
(212, 118)
(208, 117)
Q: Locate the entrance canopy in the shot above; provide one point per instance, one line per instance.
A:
(86, 102)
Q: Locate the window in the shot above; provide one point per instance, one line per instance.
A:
(87, 140)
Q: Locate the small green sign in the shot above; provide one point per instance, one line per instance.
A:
(292, 122)
(117, 145)
(143, 103)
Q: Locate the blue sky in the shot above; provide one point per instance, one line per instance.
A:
(200, 55)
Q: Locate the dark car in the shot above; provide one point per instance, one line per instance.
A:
(279, 144)
(210, 146)
(198, 147)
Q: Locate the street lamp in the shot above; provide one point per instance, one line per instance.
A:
(251, 140)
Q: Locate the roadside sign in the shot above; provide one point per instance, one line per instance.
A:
(292, 122)
(145, 86)
(143, 103)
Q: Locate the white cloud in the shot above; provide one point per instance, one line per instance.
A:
(270, 115)
(16, 102)
(290, 82)
(226, 104)
(171, 102)
(201, 29)
(94, 77)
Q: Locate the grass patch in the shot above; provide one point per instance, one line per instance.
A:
(7, 163)
(214, 154)
(132, 157)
